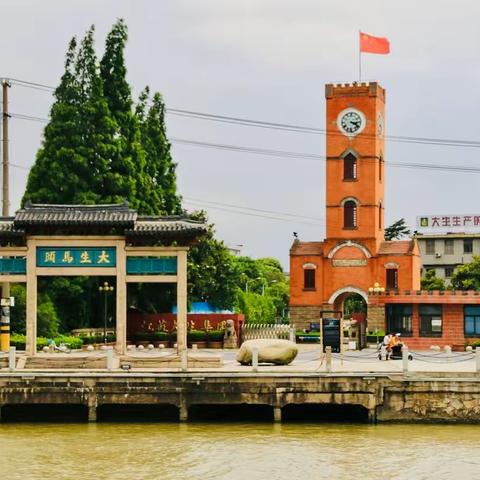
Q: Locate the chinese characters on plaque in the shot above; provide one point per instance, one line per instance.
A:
(448, 222)
(76, 257)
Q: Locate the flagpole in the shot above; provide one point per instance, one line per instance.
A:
(359, 58)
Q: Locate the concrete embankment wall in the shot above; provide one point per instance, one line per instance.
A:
(371, 398)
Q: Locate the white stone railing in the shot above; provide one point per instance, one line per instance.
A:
(253, 331)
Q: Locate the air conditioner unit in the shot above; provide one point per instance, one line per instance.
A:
(438, 255)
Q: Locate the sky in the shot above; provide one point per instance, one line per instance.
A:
(269, 60)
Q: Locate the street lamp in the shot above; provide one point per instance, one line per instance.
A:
(264, 282)
(106, 288)
(376, 289)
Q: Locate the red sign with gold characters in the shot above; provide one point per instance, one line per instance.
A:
(449, 222)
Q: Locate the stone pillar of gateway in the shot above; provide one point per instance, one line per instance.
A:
(97, 240)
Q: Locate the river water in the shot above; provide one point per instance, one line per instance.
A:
(238, 451)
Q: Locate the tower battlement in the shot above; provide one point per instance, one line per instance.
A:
(354, 89)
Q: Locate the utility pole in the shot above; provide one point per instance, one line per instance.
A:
(6, 116)
(5, 301)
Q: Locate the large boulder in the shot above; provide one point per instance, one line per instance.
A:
(278, 352)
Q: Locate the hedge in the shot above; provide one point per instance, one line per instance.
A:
(18, 341)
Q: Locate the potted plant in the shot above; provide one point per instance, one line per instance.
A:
(143, 338)
(197, 337)
(215, 338)
(173, 338)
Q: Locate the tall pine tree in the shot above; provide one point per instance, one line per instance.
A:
(127, 176)
(160, 166)
(80, 140)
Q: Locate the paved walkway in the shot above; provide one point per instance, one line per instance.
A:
(309, 360)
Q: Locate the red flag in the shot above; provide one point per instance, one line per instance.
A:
(370, 44)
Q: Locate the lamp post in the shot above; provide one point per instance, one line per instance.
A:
(265, 283)
(376, 289)
(106, 288)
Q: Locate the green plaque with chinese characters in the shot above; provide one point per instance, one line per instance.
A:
(76, 257)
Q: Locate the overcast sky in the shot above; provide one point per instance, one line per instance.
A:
(269, 60)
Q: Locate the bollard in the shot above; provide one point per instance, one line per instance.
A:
(255, 359)
(110, 353)
(292, 335)
(383, 352)
(184, 360)
(328, 358)
(477, 359)
(405, 359)
(11, 358)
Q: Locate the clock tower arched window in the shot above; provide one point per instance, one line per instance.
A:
(350, 167)
(349, 214)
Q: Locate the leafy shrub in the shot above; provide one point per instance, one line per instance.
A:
(197, 335)
(94, 339)
(299, 333)
(161, 335)
(143, 337)
(216, 335)
(19, 341)
(72, 342)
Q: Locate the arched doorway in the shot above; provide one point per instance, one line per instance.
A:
(350, 298)
(352, 302)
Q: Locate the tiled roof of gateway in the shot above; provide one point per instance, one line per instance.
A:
(306, 248)
(166, 225)
(400, 247)
(39, 214)
(118, 219)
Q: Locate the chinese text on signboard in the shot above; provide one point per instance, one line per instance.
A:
(76, 257)
(448, 222)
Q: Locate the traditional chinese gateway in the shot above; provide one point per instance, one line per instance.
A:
(95, 240)
(354, 258)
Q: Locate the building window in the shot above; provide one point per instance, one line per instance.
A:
(392, 278)
(472, 320)
(309, 279)
(380, 215)
(399, 319)
(467, 245)
(449, 246)
(430, 247)
(350, 214)
(449, 271)
(430, 320)
(350, 167)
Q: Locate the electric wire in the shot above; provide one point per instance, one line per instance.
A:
(288, 154)
(281, 126)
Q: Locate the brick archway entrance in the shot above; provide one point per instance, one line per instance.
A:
(338, 298)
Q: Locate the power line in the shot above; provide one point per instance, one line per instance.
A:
(223, 204)
(270, 217)
(283, 126)
(287, 154)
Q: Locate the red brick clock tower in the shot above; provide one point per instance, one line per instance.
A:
(354, 256)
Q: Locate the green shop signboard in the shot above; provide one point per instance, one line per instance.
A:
(76, 257)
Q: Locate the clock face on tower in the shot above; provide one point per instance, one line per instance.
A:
(351, 121)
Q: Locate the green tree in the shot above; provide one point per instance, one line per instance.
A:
(467, 276)
(160, 167)
(18, 313)
(212, 276)
(80, 140)
(257, 308)
(126, 178)
(431, 282)
(397, 230)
